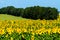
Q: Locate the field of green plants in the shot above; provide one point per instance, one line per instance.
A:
(29, 29)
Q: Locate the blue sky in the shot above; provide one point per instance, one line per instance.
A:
(28, 3)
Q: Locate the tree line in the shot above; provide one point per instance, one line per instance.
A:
(35, 12)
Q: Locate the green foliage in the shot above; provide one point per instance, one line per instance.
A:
(35, 12)
(47, 36)
(38, 12)
(27, 36)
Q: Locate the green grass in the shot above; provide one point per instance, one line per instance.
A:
(10, 17)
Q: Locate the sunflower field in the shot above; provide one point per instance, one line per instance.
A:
(30, 29)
